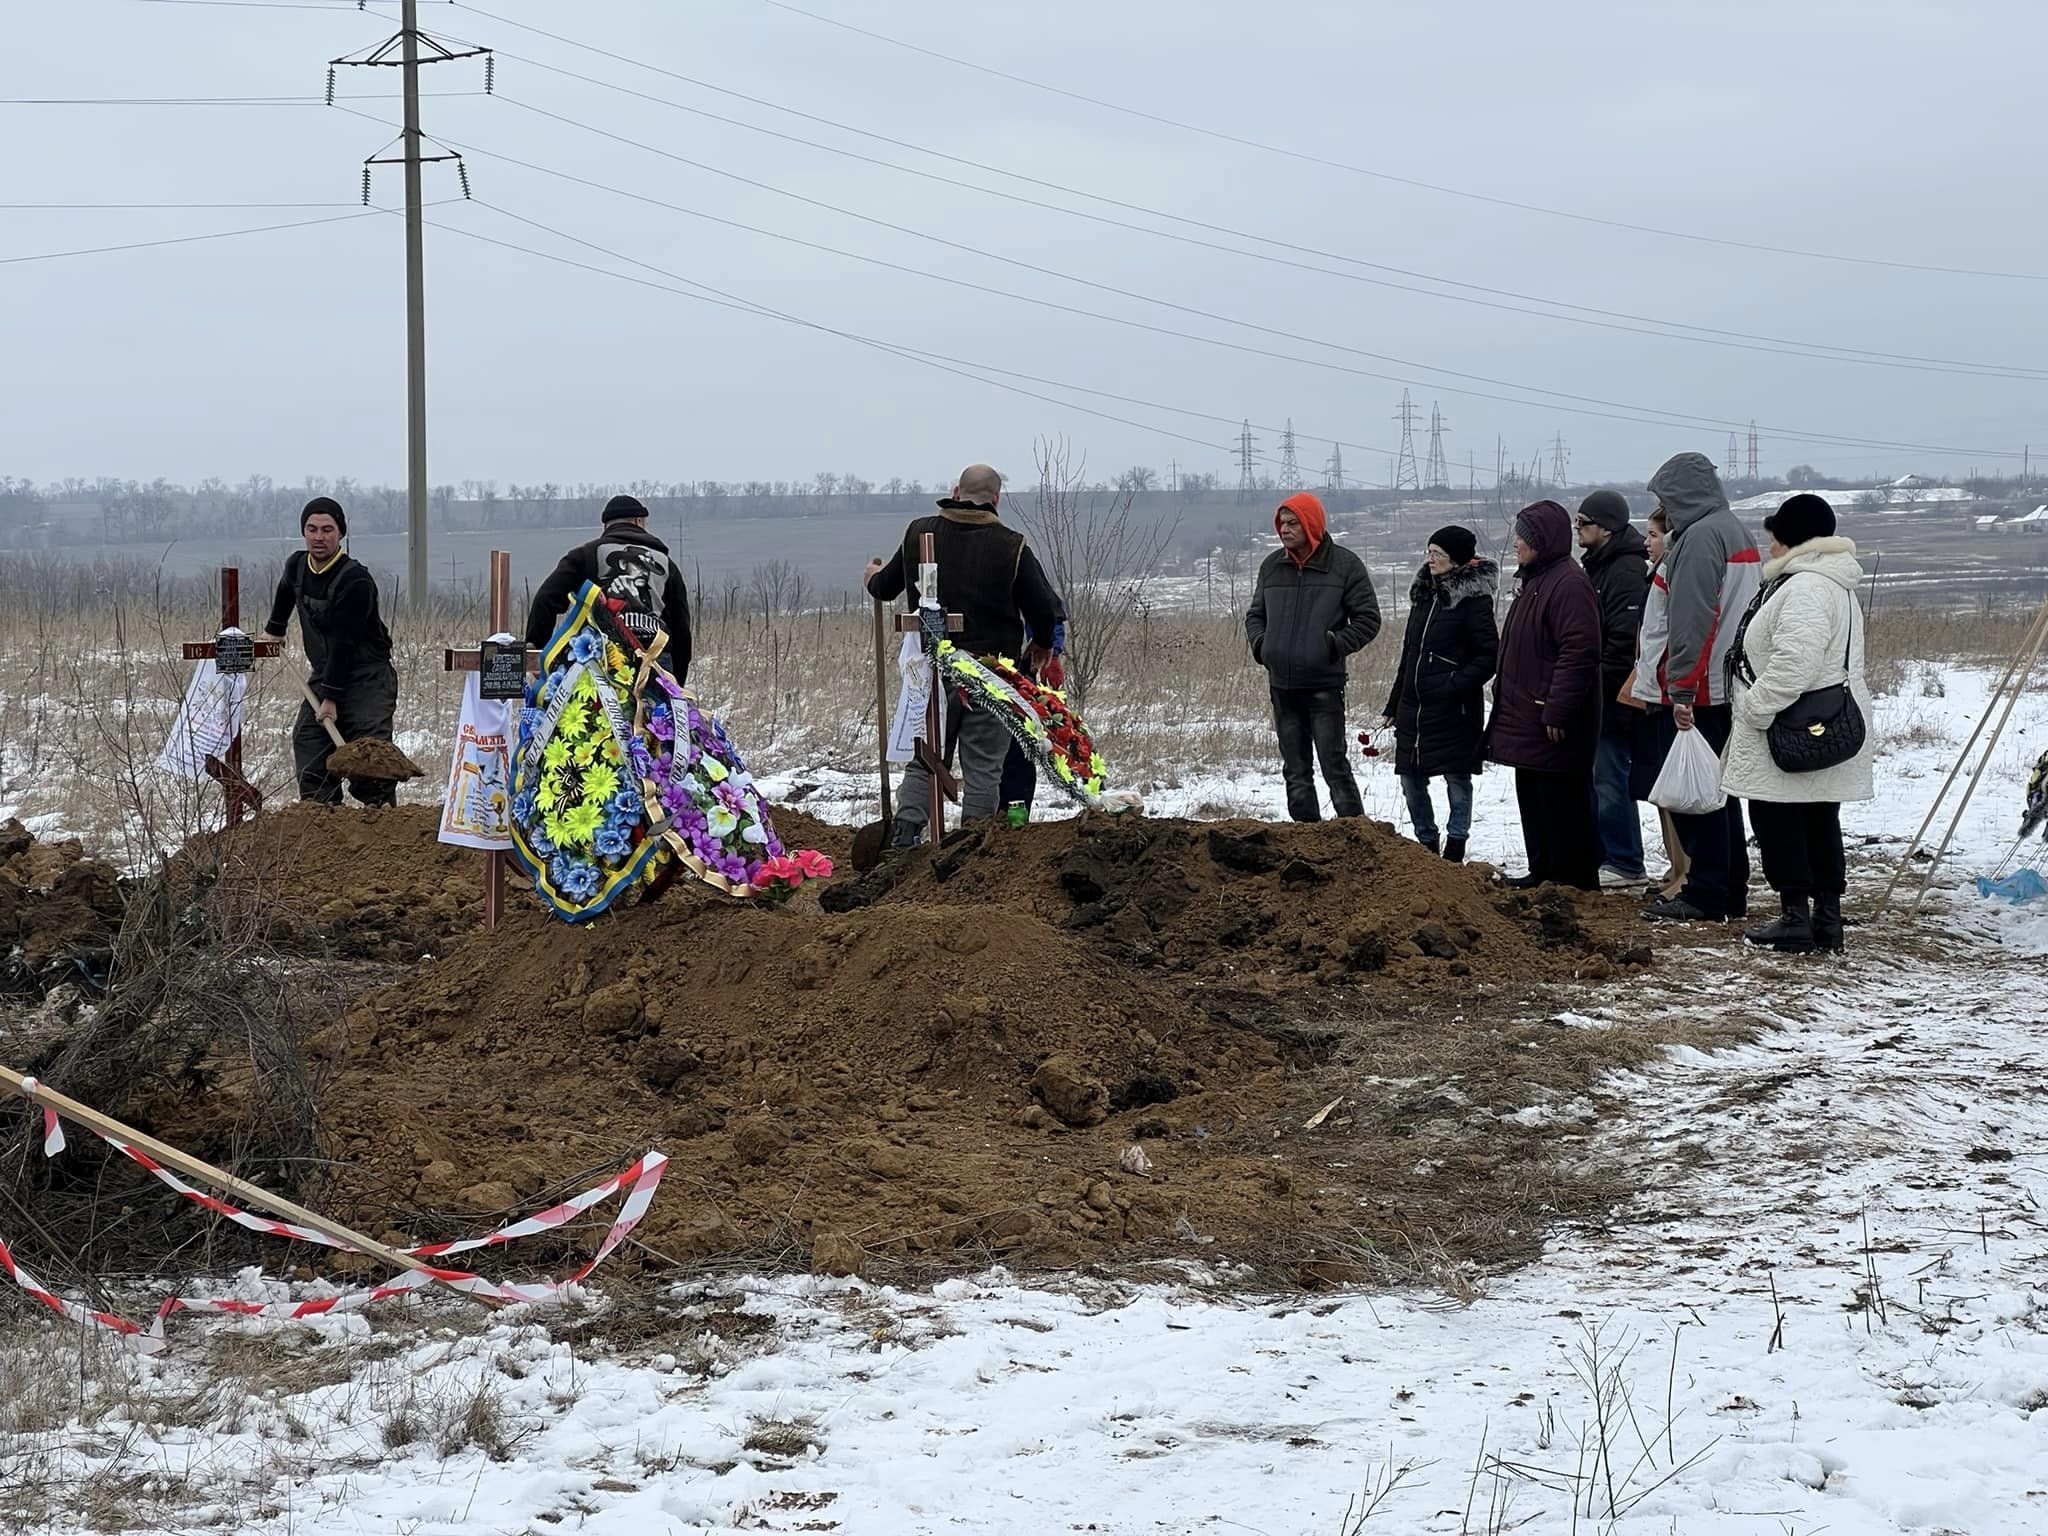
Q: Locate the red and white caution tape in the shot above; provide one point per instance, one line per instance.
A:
(638, 1182)
(53, 1128)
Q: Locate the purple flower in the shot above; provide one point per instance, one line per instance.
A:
(660, 724)
(641, 759)
(774, 842)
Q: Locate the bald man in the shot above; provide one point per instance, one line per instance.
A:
(989, 576)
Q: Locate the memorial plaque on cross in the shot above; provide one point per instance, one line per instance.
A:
(502, 670)
(232, 651)
(932, 622)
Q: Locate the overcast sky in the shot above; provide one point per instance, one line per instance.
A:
(1908, 131)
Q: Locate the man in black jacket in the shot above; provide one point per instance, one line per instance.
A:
(1618, 562)
(635, 570)
(348, 652)
(1313, 606)
(989, 576)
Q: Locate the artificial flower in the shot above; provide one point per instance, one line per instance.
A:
(814, 864)
(612, 842)
(600, 781)
(627, 805)
(584, 646)
(580, 822)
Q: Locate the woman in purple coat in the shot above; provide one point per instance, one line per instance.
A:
(1546, 701)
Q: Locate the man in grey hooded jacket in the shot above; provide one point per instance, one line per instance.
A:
(1712, 571)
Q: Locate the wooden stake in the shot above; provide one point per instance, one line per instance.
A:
(243, 798)
(2012, 699)
(882, 711)
(254, 1194)
(2030, 638)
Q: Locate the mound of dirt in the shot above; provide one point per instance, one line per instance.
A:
(56, 906)
(1327, 903)
(372, 757)
(952, 1057)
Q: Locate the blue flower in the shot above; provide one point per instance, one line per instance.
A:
(557, 679)
(613, 842)
(529, 722)
(584, 646)
(641, 759)
(524, 807)
(626, 806)
(538, 840)
(577, 879)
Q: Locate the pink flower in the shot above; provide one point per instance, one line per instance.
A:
(775, 872)
(814, 864)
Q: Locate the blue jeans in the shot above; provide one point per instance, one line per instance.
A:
(1615, 817)
(1458, 787)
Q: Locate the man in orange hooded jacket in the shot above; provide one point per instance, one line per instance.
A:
(1313, 606)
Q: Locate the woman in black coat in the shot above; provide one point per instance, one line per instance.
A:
(1437, 704)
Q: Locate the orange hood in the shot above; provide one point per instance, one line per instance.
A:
(1309, 509)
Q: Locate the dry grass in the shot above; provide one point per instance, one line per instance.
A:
(91, 655)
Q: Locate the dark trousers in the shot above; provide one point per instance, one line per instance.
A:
(1557, 826)
(1310, 724)
(1801, 847)
(1020, 778)
(1716, 844)
(368, 706)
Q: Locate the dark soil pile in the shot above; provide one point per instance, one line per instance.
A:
(371, 757)
(58, 909)
(951, 1058)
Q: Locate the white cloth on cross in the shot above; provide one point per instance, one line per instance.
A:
(476, 811)
(208, 720)
(915, 671)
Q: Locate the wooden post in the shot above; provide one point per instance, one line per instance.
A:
(192, 1168)
(243, 798)
(467, 661)
(930, 748)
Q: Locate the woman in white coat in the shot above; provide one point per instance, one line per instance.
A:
(1803, 632)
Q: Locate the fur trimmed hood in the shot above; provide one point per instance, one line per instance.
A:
(1478, 577)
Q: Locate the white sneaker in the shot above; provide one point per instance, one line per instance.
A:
(1612, 879)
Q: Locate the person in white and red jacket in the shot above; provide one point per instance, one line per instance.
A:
(1711, 573)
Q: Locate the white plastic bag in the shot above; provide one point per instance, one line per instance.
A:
(1690, 782)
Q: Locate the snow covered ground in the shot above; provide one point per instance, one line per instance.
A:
(1828, 1311)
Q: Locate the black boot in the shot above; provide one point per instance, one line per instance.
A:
(1454, 849)
(1827, 923)
(1791, 934)
(1427, 842)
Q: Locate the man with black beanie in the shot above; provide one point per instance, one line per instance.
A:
(989, 576)
(634, 570)
(348, 650)
(1618, 562)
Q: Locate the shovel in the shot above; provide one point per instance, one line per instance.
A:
(869, 841)
(370, 757)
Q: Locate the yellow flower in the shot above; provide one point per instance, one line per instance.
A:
(549, 795)
(1006, 663)
(714, 770)
(580, 823)
(600, 782)
(1059, 766)
(1097, 766)
(614, 656)
(557, 753)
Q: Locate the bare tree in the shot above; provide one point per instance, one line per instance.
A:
(1139, 477)
(1098, 555)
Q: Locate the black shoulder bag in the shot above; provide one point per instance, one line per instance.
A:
(1823, 727)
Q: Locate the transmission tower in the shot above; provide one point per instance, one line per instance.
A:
(1752, 451)
(406, 51)
(1246, 453)
(1560, 456)
(1406, 478)
(1733, 463)
(1290, 471)
(1436, 474)
(1334, 470)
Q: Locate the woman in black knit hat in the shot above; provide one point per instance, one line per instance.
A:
(1437, 706)
(1802, 634)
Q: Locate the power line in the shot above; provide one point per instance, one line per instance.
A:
(1436, 475)
(1406, 181)
(1583, 404)
(138, 207)
(1578, 314)
(218, 234)
(203, 101)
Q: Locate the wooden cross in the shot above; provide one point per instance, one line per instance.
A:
(930, 748)
(453, 660)
(243, 798)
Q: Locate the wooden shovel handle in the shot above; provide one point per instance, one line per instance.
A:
(312, 698)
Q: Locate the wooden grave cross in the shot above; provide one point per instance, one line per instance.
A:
(472, 660)
(930, 747)
(243, 798)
